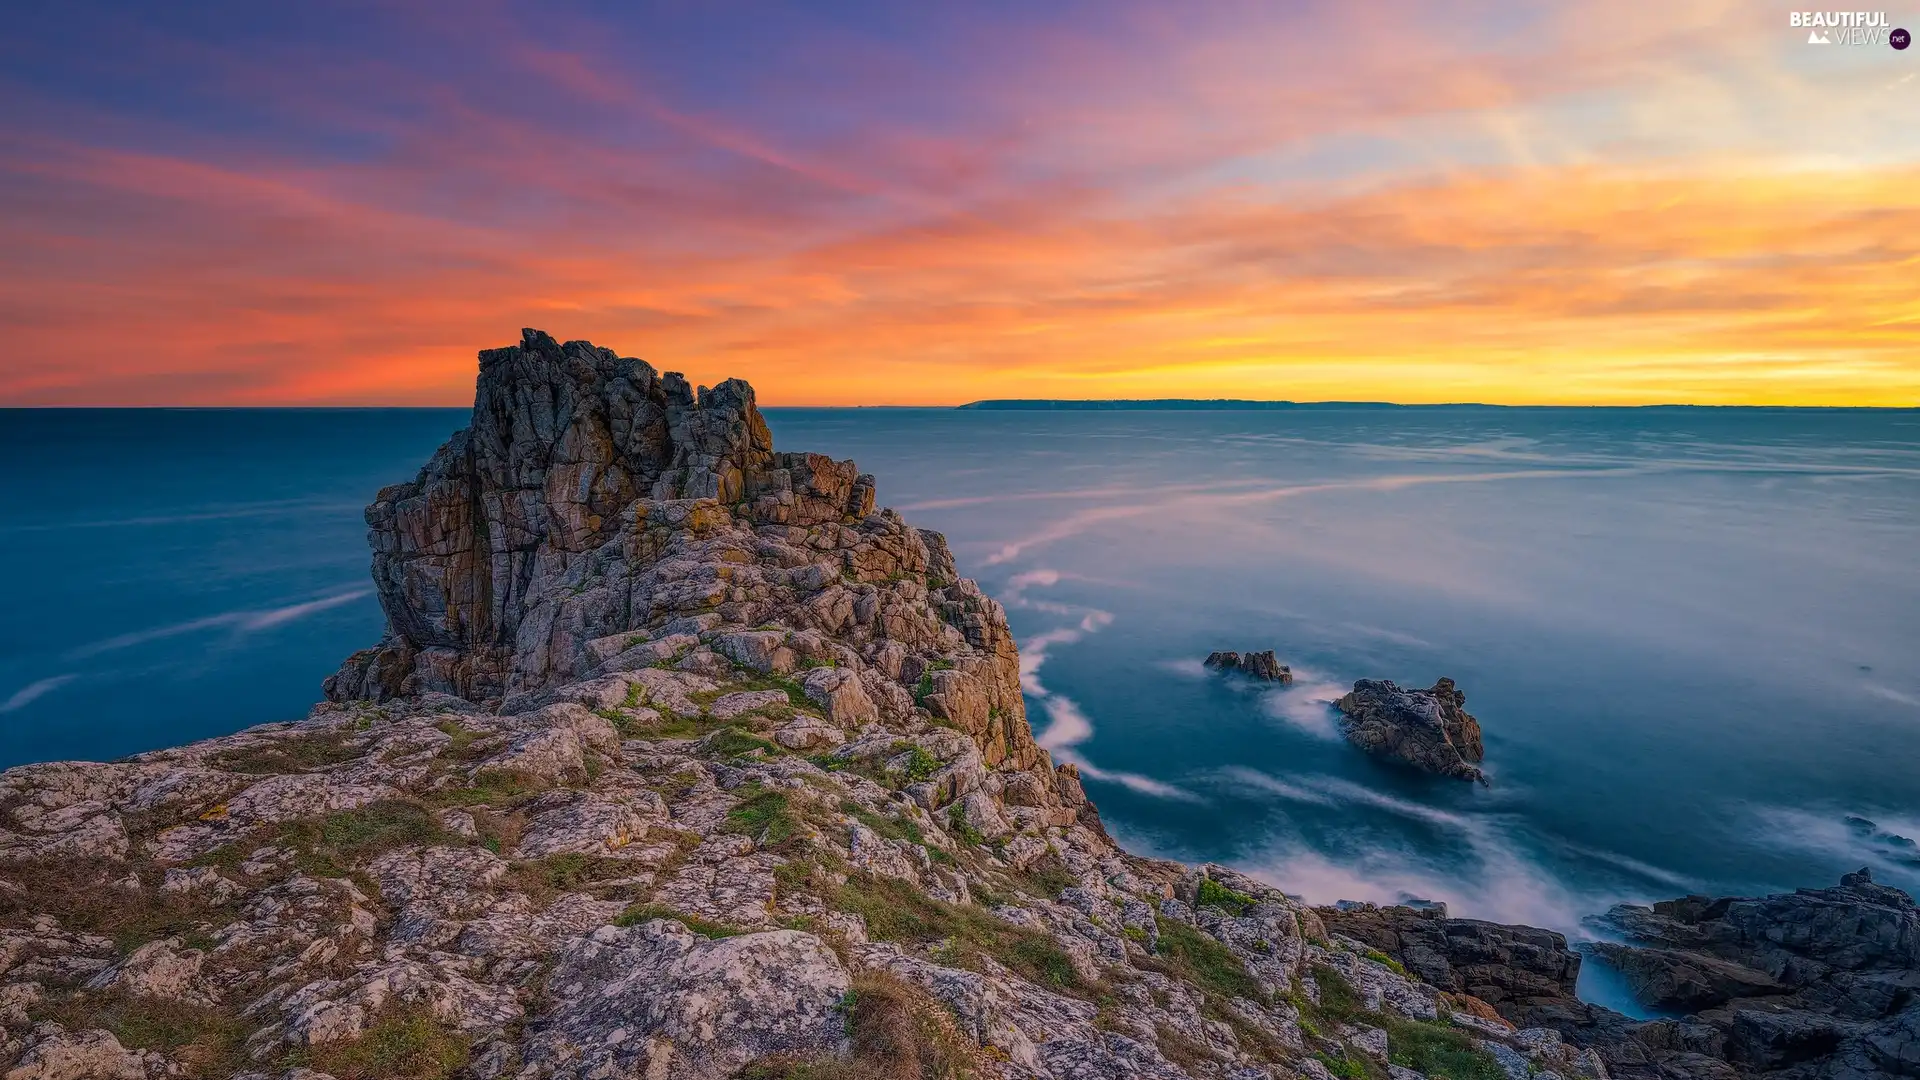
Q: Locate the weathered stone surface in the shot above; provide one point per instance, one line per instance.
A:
(1427, 729)
(1509, 967)
(56, 1054)
(656, 1001)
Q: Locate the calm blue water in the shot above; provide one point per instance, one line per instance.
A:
(1692, 636)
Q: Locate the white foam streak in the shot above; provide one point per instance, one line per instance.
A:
(241, 622)
(1083, 520)
(1067, 725)
(34, 691)
(1307, 704)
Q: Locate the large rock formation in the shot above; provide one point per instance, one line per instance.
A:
(677, 760)
(1817, 984)
(1428, 729)
(1516, 969)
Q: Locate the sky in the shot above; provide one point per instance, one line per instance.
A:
(929, 203)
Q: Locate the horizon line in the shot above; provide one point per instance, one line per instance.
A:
(1048, 405)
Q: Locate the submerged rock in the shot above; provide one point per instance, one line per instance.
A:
(1259, 665)
(1427, 729)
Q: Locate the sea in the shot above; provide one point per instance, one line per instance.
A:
(1691, 635)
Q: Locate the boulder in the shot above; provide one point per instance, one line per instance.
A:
(1427, 729)
(655, 1000)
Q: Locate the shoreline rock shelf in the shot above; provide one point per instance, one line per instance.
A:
(679, 758)
(1428, 729)
(1816, 984)
(1259, 665)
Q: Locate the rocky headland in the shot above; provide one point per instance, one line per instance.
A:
(680, 759)
(1428, 729)
(1261, 665)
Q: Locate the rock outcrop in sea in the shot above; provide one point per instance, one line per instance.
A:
(1428, 729)
(1259, 665)
(1816, 984)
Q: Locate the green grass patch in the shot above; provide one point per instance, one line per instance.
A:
(733, 742)
(1230, 900)
(206, 1040)
(1347, 1066)
(640, 913)
(458, 738)
(896, 911)
(894, 827)
(86, 895)
(766, 817)
(406, 1043)
(1441, 1051)
(488, 787)
(1391, 964)
(1338, 999)
(544, 879)
(919, 766)
(1186, 952)
(1046, 878)
(749, 679)
(298, 753)
(330, 846)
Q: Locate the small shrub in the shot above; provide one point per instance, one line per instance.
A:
(958, 825)
(1047, 878)
(920, 764)
(895, 1031)
(1232, 901)
(1391, 964)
